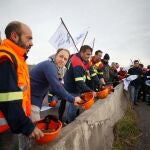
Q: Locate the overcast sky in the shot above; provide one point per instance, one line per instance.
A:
(120, 27)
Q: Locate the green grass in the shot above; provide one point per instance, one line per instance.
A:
(126, 131)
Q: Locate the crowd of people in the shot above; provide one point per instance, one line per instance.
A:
(66, 77)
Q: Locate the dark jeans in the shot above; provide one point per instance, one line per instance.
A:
(9, 141)
(72, 112)
(61, 109)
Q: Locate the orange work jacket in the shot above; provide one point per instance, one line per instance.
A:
(15, 54)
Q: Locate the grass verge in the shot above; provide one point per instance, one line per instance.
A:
(126, 131)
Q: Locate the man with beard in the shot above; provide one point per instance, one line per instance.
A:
(15, 105)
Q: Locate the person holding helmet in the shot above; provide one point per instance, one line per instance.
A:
(75, 78)
(15, 102)
(47, 75)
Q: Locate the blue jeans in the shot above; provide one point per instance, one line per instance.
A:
(133, 91)
(72, 111)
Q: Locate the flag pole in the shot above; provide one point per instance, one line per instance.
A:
(93, 43)
(84, 38)
(69, 34)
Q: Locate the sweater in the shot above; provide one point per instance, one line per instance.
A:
(44, 77)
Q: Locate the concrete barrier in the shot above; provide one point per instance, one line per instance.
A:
(93, 129)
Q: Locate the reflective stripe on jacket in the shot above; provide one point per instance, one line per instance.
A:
(98, 68)
(7, 50)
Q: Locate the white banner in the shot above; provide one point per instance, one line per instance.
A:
(61, 38)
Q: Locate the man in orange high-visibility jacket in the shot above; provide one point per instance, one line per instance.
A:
(15, 107)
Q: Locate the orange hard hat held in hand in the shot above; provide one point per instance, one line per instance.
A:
(53, 103)
(87, 100)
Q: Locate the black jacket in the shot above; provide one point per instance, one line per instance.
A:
(13, 110)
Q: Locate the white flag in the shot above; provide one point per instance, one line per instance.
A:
(80, 37)
(61, 38)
